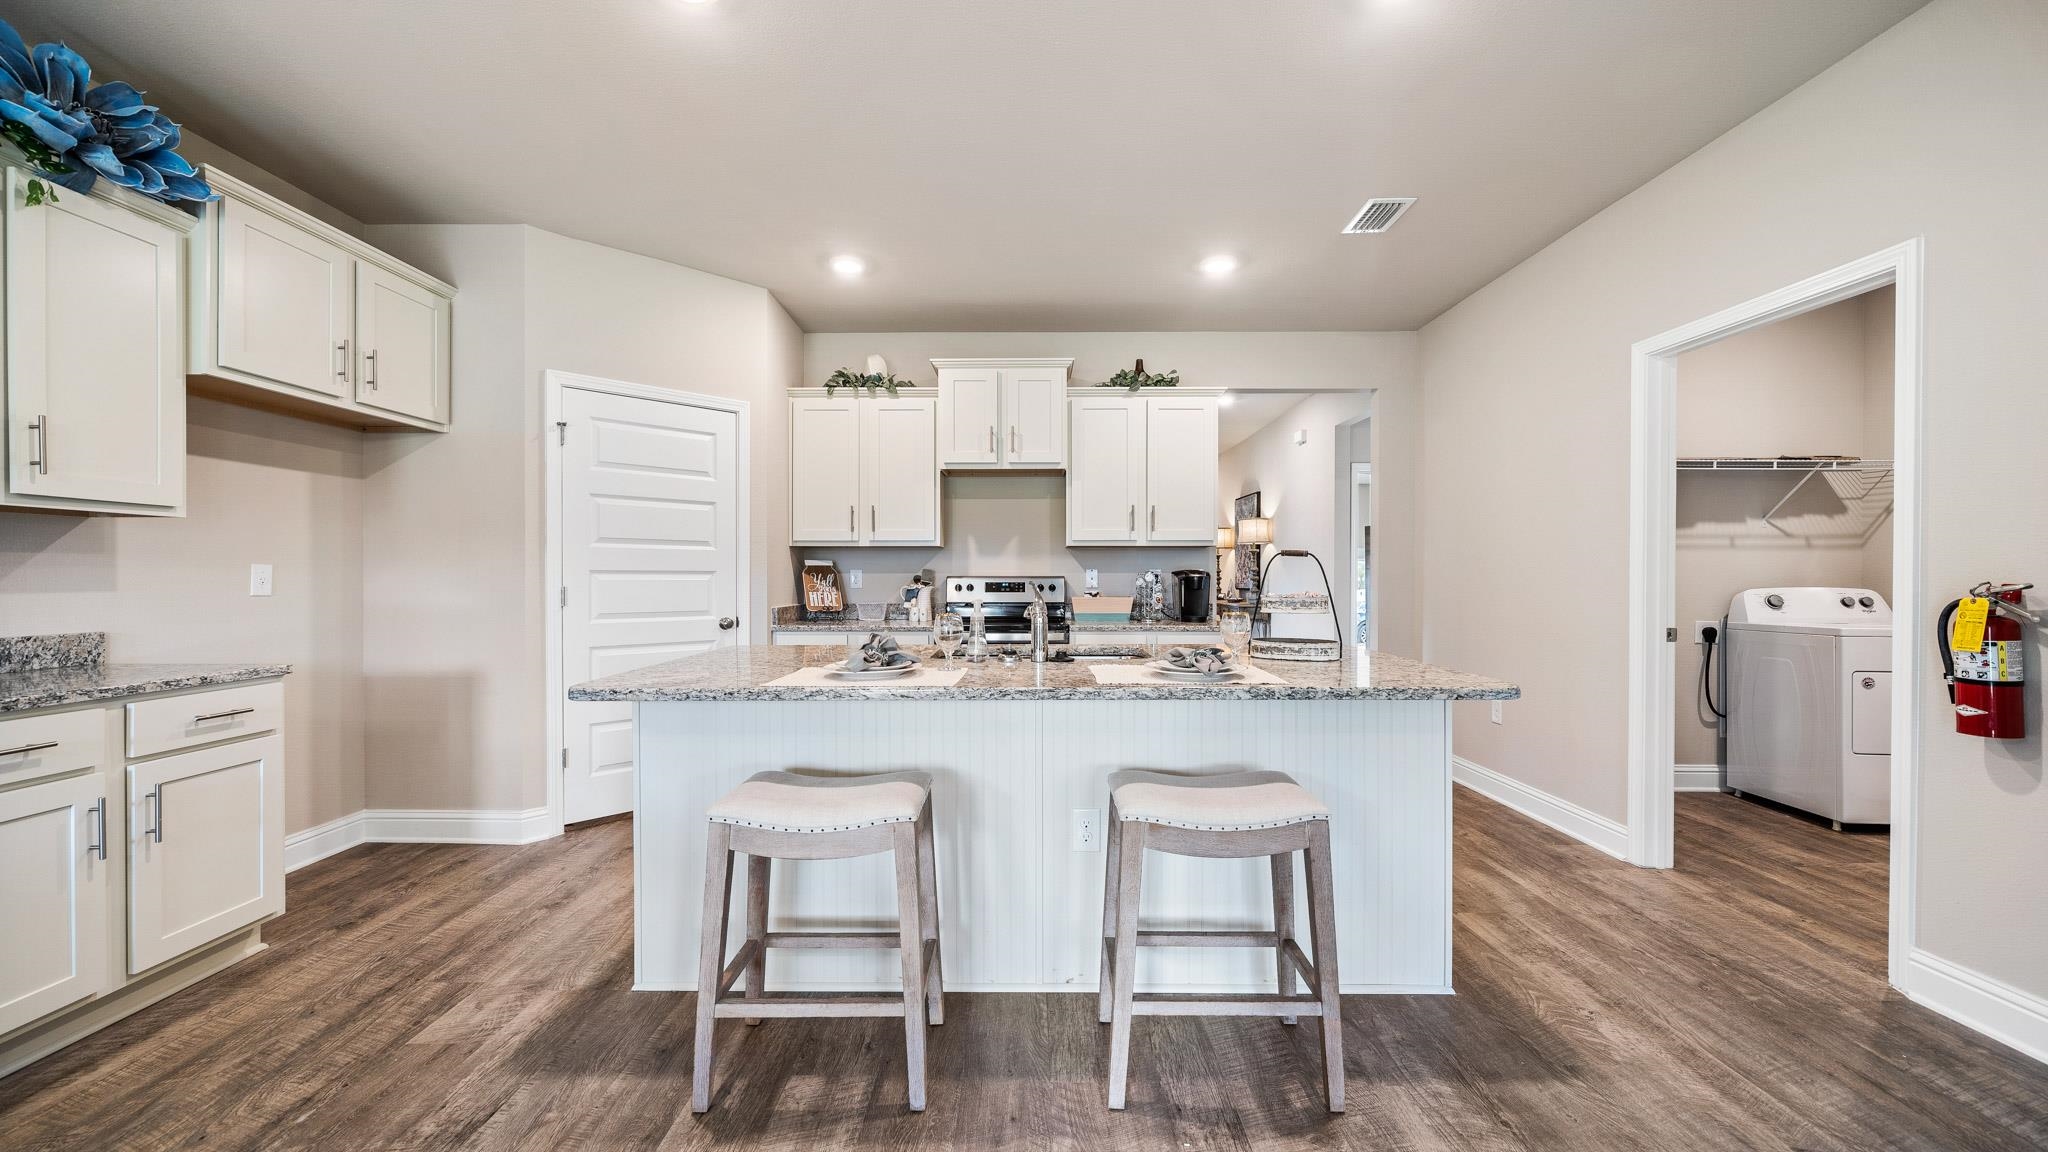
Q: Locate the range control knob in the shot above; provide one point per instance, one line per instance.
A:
(1775, 600)
(1848, 601)
(1867, 602)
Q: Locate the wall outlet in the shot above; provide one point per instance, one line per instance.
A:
(1493, 711)
(1087, 830)
(853, 578)
(1699, 630)
(259, 579)
(1094, 581)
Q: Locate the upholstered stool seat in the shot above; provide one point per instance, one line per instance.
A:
(788, 802)
(1225, 802)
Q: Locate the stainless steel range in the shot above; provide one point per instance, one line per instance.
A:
(1003, 600)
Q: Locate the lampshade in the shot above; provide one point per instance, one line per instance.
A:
(1256, 530)
(1226, 537)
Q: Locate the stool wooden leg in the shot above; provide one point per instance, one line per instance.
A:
(1283, 921)
(1130, 880)
(710, 956)
(1106, 983)
(928, 914)
(1322, 926)
(757, 927)
(911, 937)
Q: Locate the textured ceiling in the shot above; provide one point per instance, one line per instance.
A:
(1042, 165)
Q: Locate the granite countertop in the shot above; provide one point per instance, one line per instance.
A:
(858, 619)
(83, 683)
(742, 673)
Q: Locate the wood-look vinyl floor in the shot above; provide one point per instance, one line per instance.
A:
(430, 997)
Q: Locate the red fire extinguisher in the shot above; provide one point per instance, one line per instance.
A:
(1981, 658)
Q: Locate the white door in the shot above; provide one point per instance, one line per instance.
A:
(205, 846)
(54, 899)
(970, 417)
(824, 470)
(1180, 470)
(95, 352)
(402, 330)
(1034, 411)
(1106, 475)
(899, 469)
(650, 565)
(283, 302)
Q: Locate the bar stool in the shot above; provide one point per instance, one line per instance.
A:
(783, 815)
(1232, 815)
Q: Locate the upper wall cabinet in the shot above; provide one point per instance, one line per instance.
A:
(864, 470)
(291, 313)
(1002, 413)
(95, 349)
(1144, 468)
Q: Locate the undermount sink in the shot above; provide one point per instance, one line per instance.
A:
(1105, 652)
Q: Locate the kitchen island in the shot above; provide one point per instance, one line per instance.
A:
(1019, 754)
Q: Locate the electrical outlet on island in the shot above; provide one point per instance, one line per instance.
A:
(1493, 712)
(259, 580)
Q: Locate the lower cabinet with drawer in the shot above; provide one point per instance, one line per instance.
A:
(141, 845)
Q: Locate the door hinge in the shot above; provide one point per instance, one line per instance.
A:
(565, 595)
(561, 432)
(1671, 635)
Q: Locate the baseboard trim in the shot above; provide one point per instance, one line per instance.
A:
(415, 826)
(1588, 827)
(2014, 1018)
(1696, 778)
(323, 840)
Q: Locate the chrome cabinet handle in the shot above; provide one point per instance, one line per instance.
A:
(98, 813)
(849, 518)
(871, 518)
(342, 371)
(1153, 523)
(991, 439)
(155, 796)
(728, 623)
(371, 356)
(222, 715)
(25, 749)
(1013, 439)
(1134, 518)
(40, 459)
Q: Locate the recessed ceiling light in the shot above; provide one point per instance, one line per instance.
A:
(1218, 266)
(848, 267)
(694, 3)
(1225, 400)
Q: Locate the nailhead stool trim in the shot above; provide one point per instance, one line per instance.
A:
(1232, 815)
(792, 816)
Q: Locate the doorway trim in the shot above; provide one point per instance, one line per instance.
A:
(1653, 470)
(555, 701)
(1361, 473)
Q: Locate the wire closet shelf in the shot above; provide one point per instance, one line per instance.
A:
(1867, 501)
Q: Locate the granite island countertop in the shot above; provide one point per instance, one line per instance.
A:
(787, 619)
(83, 683)
(743, 673)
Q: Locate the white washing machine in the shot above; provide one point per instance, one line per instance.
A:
(1809, 700)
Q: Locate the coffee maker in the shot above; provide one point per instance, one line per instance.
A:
(1191, 594)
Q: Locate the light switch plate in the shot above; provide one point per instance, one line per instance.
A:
(259, 580)
(1094, 582)
(853, 577)
(1087, 830)
(1493, 713)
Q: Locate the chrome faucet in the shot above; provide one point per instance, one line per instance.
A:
(1035, 612)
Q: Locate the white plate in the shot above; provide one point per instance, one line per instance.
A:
(1172, 673)
(842, 670)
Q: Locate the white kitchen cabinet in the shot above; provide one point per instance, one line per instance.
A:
(864, 470)
(996, 414)
(291, 313)
(95, 394)
(53, 903)
(205, 846)
(1143, 469)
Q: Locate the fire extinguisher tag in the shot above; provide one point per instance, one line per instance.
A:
(2000, 662)
(1968, 635)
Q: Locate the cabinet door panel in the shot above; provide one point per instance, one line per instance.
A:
(95, 352)
(900, 471)
(1106, 475)
(970, 417)
(205, 848)
(54, 899)
(1034, 407)
(283, 301)
(824, 470)
(402, 332)
(1180, 470)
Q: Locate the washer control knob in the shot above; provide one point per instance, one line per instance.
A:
(1848, 601)
(1775, 600)
(1867, 602)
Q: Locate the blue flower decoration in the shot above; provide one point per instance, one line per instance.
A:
(76, 132)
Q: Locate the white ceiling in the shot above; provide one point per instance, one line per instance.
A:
(1249, 411)
(1041, 165)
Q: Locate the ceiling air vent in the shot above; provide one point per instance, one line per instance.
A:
(1378, 215)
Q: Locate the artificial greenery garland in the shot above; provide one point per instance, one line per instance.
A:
(1136, 378)
(846, 378)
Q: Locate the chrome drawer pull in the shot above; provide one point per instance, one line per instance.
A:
(98, 812)
(156, 797)
(40, 460)
(371, 356)
(25, 749)
(222, 715)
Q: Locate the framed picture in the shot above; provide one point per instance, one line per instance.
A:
(1246, 563)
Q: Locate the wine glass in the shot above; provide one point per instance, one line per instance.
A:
(1236, 625)
(947, 632)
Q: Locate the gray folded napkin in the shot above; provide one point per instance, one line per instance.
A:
(1205, 658)
(881, 652)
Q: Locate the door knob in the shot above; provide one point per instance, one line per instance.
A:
(728, 623)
